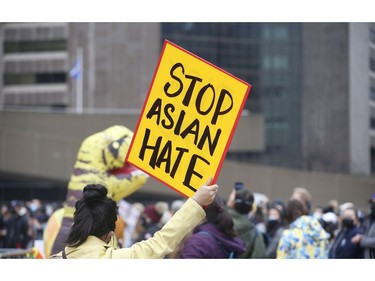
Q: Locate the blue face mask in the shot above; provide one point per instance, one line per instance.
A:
(33, 207)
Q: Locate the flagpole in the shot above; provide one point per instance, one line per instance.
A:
(79, 87)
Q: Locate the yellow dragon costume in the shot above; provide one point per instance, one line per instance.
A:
(100, 160)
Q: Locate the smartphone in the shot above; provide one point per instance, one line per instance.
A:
(239, 185)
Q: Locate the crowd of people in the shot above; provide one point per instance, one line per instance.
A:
(23, 222)
(271, 229)
(239, 226)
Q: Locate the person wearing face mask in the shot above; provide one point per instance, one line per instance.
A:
(275, 227)
(329, 223)
(367, 241)
(343, 247)
(239, 205)
(21, 231)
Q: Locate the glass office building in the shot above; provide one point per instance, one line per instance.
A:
(266, 55)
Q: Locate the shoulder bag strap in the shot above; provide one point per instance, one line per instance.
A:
(64, 254)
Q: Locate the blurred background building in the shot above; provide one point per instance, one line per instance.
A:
(309, 119)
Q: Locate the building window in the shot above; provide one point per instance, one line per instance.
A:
(34, 78)
(372, 35)
(372, 94)
(277, 62)
(372, 64)
(372, 123)
(35, 46)
(275, 32)
(268, 56)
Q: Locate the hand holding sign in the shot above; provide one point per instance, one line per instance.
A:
(205, 195)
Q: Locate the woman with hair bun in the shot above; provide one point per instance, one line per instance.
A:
(91, 235)
(95, 215)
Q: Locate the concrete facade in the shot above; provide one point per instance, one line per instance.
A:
(119, 61)
(114, 55)
(325, 128)
(325, 90)
(336, 86)
(359, 108)
(44, 145)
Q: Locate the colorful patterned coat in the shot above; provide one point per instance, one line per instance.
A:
(304, 239)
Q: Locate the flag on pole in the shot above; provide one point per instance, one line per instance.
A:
(75, 72)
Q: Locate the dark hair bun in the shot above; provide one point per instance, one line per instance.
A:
(94, 192)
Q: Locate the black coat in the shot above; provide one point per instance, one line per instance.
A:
(343, 248)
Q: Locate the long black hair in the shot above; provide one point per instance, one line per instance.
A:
(95, 214)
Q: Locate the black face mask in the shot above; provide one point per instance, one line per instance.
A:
(348, 223)
(272, 224)
(330, 228)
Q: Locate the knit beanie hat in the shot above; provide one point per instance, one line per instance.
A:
(152, 213)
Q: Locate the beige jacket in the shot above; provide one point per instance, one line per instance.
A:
(162, 243)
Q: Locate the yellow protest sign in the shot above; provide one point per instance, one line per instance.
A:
(187, 121)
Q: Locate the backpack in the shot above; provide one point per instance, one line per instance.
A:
(229, 254)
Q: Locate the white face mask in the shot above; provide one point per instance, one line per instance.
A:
(317, 215)
(22, 211)
(49, 210)
(273, 218)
